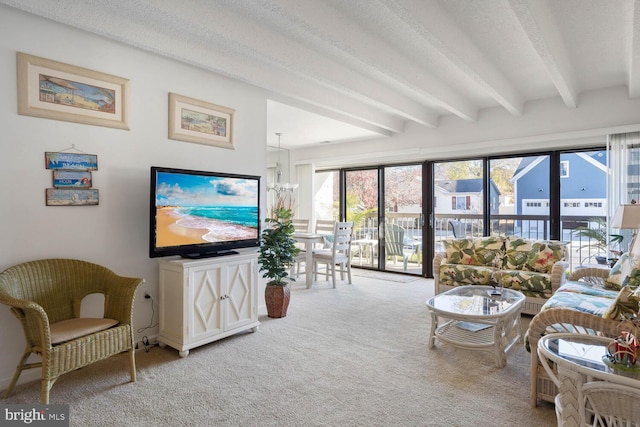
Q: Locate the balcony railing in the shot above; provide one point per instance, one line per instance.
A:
(582, 250)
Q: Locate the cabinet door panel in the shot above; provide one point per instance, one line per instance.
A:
(207, 301)
(239, 305)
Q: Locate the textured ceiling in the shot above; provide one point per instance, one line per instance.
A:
(374, 65)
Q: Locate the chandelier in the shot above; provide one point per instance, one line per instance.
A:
(283, 192)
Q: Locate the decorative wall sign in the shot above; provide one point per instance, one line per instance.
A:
(70, 178)
(54, 90)
(197, 121)
(61, 160)
(75, 197)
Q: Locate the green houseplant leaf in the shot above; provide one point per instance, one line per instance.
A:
(278, 247)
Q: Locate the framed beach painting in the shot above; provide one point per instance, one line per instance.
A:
(192, 120)
(54, 90)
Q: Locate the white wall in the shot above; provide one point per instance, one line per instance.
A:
(115, 233)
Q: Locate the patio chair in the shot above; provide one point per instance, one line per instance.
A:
(394, 244)
(338, 255)
(457, 228)
(46, 297)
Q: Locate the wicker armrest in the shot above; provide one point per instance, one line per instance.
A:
(591, 275)
(558, 275)
(437, 262)
(119, 296)
(590, 272)
(567, 320)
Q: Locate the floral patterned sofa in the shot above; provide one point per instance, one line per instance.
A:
(534, 267)
(592, 301)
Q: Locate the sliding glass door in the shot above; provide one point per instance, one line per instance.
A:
(362, 189)
(403, 220)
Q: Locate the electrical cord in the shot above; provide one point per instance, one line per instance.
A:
(145, 339)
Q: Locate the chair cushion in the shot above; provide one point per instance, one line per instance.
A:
(70, 329)
(591, 304)
(587, 288)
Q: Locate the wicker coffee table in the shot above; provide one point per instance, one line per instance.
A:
(471, 317)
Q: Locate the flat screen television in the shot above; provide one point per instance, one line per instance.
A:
(197, 214)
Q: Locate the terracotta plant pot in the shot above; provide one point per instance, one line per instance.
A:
(277, 300)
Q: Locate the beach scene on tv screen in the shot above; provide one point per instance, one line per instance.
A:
(199, 209)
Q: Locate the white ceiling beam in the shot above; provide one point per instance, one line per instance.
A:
(331, 31)
(216, 52)
(538, 23)
(436, 28)
(634, 52)
(297, 103)
(277, 51)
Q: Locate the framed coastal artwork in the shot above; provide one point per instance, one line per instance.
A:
(192, 120)
(54, 90)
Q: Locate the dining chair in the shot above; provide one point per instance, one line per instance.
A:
(325, 227)
(300, 225)
(337, 255)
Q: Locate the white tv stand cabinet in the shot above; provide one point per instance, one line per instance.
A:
(204, 300)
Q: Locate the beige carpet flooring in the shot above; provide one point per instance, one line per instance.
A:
(352, 356)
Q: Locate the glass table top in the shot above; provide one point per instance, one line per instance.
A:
(476, 300)
(588, 351)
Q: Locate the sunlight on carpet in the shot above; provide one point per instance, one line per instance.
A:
(381, 275)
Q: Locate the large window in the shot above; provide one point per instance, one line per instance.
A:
(538, 196)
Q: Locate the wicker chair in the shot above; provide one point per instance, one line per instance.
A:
(46, 296)
(610, 404)
(564, 320)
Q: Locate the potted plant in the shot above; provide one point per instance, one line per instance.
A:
(277, 253)
(599, 235)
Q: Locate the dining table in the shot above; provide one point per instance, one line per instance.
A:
(309, 240)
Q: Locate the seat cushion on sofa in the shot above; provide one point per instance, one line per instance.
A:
(485, 251)
(596, 305)
(530, 283)
(627, 267)
(461, 274)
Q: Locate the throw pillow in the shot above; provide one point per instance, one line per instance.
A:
(474, 251)
(516, 252)
(626, 304)
(543, 255)
(623, 269)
